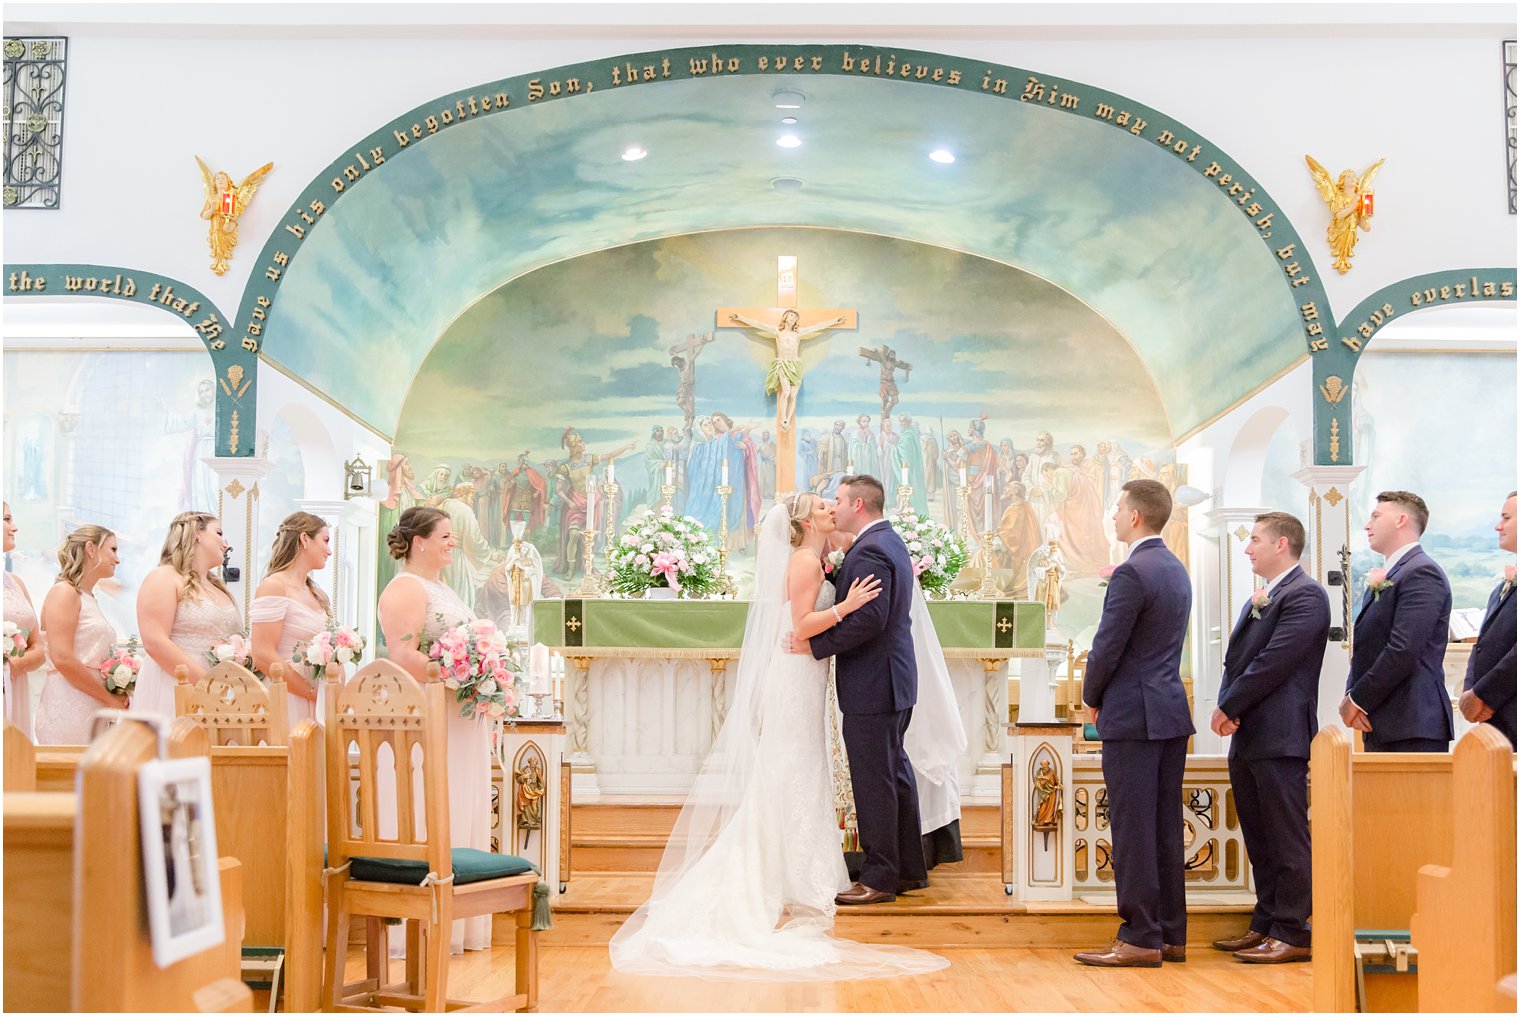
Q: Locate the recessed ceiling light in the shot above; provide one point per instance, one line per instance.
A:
(633, 153)
(788, 184)
(789, 141)
(943, 155)
(788, 98)
(789, 119)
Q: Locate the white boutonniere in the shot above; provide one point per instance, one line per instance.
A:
(1260, 601)
(831, 563)
(1377, 581)
(1509, 580)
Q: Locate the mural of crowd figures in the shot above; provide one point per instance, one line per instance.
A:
(527, 398)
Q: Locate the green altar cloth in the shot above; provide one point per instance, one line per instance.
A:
(966, 628)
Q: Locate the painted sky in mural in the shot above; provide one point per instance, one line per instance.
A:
(1135, 233)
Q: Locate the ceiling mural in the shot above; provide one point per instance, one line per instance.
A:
(1129, 229)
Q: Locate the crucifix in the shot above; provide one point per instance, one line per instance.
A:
(890, 365)
(786, 325)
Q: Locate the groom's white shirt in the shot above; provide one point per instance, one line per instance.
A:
(868, 525)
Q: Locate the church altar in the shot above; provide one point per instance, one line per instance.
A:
(648, 688)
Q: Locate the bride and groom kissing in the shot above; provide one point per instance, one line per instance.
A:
(754, 871)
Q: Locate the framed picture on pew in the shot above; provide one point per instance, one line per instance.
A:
(179, 857)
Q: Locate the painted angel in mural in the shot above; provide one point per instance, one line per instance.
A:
(1350, 208)
(224, 203)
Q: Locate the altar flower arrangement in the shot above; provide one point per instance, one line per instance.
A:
(661, 550)
(341, 645)
(938, 554)
(120, 669)
(478, 667)
(236, 648)
(1377, 581)
(15, 640)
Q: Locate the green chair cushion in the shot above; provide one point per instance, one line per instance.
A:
(470, 865)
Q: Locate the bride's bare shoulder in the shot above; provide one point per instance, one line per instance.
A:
(804, 560)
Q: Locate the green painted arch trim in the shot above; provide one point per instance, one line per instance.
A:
(1335, 366)
(235, 367)
(995, 82)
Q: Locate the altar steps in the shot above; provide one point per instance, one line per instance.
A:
(620, 835)
(958, 909)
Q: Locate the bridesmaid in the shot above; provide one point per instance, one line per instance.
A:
(18, 609)
(288, 607)
(416, 601)
(183, 609)
(79, 639)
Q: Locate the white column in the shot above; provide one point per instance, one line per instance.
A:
(237, 504)
(1329, 528)
(1230, 529)
(352, 568)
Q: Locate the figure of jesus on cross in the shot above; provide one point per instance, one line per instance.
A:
(886, 356)
(786, 325)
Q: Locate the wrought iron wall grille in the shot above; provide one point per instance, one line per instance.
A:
(1509, 116)
(33, 120)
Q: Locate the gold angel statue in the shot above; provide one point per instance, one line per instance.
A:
(1349, 209)
(224, 203)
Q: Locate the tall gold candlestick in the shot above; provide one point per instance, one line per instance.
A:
(723, 492)
(590, 585)
(904, 498)
(608, 492)
(988, 589)
(668, 490)
(963, 499)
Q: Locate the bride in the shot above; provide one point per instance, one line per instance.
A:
(746, 888)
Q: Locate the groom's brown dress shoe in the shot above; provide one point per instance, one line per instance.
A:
(1270, 950)
(1246, 941)
(1174, 954)
(858, 894)
(1121, 954)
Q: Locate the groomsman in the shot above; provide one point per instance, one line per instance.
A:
(1396, 692)
(1134, 688)
(1267, 701)
(1488, 694)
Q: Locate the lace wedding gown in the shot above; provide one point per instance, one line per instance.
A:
(198, 625)
(64, 713)
(300, 623)
(746, 887)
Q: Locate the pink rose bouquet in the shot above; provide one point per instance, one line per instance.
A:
(477, 665)
(120, 669)
(236, 648)
(336, 645)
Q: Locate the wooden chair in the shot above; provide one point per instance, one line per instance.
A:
(20, 761)
(415, 876)
(1465, 925)
(234, 706)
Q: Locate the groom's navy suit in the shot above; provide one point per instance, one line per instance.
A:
(877, 678)
(1271, 685)
(1134, 680)
(1396, 654)
(1491, 667)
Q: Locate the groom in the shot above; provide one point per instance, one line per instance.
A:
(877, 679)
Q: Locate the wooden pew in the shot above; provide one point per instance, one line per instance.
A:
(57, 767)
(1375, 818)
(305, 832)
(112, 958)
(20, 764)
(1465, 925)
(39, 896)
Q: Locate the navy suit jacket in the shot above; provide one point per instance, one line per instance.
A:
(1134, 668)
(1400, 641)
(1491, 667)
(874, 666)
(1271, 671)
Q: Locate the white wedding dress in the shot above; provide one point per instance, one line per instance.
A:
(746, 888)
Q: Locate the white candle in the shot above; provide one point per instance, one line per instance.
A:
(963, 476)
(849, 467)
(987, 503)
(725, 472)
(670, 475)
(905, 474)
(538, 668)
(559, 680)
(611, 472)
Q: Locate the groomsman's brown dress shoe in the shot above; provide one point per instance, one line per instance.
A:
(1270, 950)
(1246, 941)
(858, 894)
(1121, 954)
(1174, 954)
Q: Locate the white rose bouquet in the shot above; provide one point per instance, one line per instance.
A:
(664, 550)
(235, 648)
(336, 645)
(938, 554)
(15, 640)
(120, 669)
(477, 665)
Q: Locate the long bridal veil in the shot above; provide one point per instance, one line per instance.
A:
(724, 904)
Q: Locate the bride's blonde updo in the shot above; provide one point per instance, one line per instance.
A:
(798, 507)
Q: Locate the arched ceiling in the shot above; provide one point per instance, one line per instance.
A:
(1123, 225)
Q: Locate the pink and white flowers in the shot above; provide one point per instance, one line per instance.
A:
(236, 648)
(1509, 578)
(832, 562)
(15, 640)
(1378, 581)
(938, 554)
(477, 665)
(120, 669)
(1260, 601)
(336, 645)
(663, 550)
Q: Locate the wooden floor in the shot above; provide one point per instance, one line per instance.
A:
(580, 979)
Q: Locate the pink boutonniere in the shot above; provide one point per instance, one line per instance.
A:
(1377, 581)
(1509, 579)
(1105, 573)
(1259, 602)
(831, 562)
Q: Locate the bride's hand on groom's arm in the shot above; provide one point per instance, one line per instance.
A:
(862, 591)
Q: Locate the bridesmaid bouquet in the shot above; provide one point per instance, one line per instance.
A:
(15, 640)
(478, 667)
(236, 648)
(938, 554)
(336, 645)
(121, 667)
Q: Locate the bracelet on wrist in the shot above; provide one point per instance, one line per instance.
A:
(838, 618)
